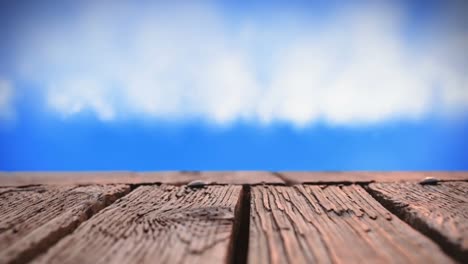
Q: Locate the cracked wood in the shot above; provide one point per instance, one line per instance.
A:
(331, 224)
(440, 211)
(33, 218)
(298, 177)
(156, 224)
(128, 177)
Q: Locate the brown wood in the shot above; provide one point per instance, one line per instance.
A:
(367, 177)
(331, 224)
(168, 177)
(35, 217)
(152, 224)
(209, 222)
(65, 178)
(440, 211)
(216, 177)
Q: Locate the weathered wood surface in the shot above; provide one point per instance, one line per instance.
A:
(65, 178)
(367, 177)
(333, 224)
(214, 177)
(217, 177)
(152, 224)
(440, 211)
(35, 217)
(168, 177)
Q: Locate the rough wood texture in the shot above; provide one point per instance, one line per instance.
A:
(152, 224)
(334, 224)
(215, 177)
(33, 218)
(65, 178)
(168, 177)
(367, 177)
(440, 211)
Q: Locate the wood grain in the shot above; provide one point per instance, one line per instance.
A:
(217, 177)
(34, 218)
(298, 177)
(152, 224)
(214, 177)
(331, 224)
(127, 177)
(66, 178)
(440, 211)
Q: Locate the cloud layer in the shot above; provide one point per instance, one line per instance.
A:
(6, 100)
(354, 66)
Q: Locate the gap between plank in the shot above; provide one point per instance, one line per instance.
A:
(240, 239)
(58, 236)
(418, 224)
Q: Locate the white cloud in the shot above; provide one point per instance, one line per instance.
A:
(6, 100)
(73, 96)
(191, 62)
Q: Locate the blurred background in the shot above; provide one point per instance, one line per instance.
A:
(233, 85)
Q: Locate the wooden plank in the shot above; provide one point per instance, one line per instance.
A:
(34, 218)
(167, 177)
(440, 211)
(65, 178)
(215, 177)
(152, 224)
(298, 177)
(331, 224)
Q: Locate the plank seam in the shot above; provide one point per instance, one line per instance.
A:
(241, 229)
(419, 225)
(35, 252)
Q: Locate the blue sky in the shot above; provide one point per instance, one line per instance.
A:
(242, 85)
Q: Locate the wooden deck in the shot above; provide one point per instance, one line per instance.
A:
(234, 217)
